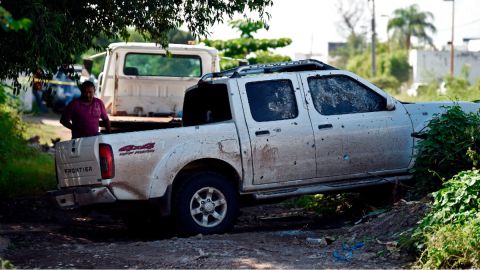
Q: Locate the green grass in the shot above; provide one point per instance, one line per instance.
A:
(5, 264)
(452, 246)
(31, 175)
(25, 171)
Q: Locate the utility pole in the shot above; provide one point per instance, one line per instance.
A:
(374, 41)
(452, 48)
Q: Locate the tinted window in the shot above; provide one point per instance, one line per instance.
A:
(271, 100)
(341, 95)
(208, 103)
(143, 64)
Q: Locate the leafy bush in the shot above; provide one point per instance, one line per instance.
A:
(24, 170)
(459, 88)
(391, 66)
(457, 203)
(6, 264)
(11, 141)
(453, 246)
(450, 145)
(450, 233)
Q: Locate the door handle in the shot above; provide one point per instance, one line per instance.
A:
(262, 132)
(325, 126)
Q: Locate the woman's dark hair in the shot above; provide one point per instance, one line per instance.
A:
(86, 84)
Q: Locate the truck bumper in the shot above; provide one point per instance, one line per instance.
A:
(82, 196)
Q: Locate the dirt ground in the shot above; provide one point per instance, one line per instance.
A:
(51, 121)
(35, 235)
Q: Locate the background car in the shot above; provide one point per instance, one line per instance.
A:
(64, 87)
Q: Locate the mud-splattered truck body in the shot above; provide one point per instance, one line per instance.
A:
(262, 131)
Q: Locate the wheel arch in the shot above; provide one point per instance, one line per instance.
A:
(206, 164)
(200, 165)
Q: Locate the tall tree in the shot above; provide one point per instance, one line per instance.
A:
(351, 26)
(351, 14)
(63, 29)
(411, 22)
(256, 50)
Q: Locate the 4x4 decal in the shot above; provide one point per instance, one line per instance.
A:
(136, 149)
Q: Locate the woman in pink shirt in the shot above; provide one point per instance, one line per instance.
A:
(82, 115)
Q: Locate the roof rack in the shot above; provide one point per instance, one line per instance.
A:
(299, 65)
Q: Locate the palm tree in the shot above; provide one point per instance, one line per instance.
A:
(408, 22)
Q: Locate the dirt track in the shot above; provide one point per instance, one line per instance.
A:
(271, 236)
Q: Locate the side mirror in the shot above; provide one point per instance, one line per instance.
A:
(390, 104)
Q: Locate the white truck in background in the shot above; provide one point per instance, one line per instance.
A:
(143, 85)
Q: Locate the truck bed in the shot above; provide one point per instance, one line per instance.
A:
(135, 123)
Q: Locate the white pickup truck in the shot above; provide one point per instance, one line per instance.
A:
(259, 131)
(143, 84)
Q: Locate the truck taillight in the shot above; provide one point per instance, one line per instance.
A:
(107, 165)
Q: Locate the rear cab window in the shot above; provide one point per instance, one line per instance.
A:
(207, 103)
(146, 64)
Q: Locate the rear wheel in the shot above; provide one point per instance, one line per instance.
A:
(206, 203)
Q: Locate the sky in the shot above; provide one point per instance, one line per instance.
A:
(311, 24)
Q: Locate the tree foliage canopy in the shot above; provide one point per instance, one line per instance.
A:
(63, 29)
(410, 22)
(246, 45)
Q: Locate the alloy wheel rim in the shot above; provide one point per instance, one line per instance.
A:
(208, 207)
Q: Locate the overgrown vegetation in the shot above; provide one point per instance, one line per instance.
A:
(392, 68)
(457, 88)
(6, 264)
(449, 236)
(451, 144)
(25, 170)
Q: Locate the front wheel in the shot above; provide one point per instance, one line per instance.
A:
(207, 203)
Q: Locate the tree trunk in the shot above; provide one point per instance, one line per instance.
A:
(407, 41)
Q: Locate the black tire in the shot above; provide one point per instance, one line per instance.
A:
(206, 203)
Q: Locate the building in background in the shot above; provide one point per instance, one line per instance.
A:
(333, 56)
(310, 55)
(428, 66)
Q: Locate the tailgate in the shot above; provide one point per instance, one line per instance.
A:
(77, 162)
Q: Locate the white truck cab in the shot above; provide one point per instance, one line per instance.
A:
(143, 83)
